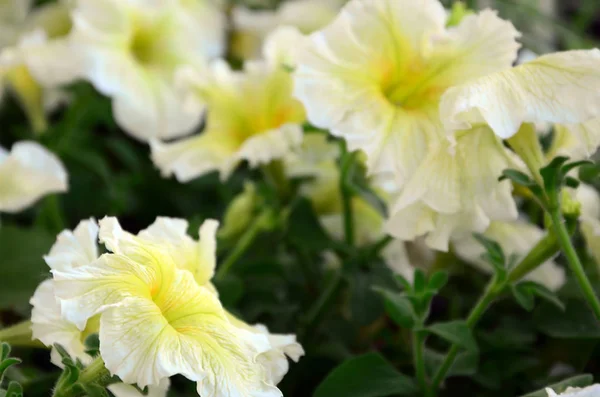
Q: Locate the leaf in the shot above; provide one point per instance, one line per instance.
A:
(398, 307)
(517, 177)
(438, 280)
(14, 390)
(465, 364)
(21, 265)
(544, 293)
(455, 332)
(419, 282)
(523, 296)
(494, 253)
(369, 375)
(570, 166)
(551, 173)
(560, 387)
(577, 321)
(571, 182)
(305, 229)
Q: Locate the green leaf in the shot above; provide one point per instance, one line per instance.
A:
(544, 293)
(9, 362)
(465, 364)
(4, 351)
(306, 229)
(523, 296)
(551, 174)
(398, 307)
(14, 390)
(438, 280)
(369, 375)
(560, 387)
(571, 182)
(95, 390)
(577, 321)
(494, 253)
(455, 332)
(22, 267)
(570, 166)
(517, 177)
(420, 281)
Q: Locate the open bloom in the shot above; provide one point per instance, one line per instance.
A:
(375, 75)
(561, 88)
(590, 391)
(158, 314)
(132, 49)
(251, 27)
(251, 116)
(515, 238)
(27, 173)
(72, 249)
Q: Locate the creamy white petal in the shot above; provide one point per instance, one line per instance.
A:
(590, 391)
(27, 174)
(74, 248)
(123, 390)
(561, 88)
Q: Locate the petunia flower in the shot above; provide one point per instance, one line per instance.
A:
(455, 191)
(158, 314)
(562, 88)
(590, 391)
(251, 27)
(251, 116)
(132, 50)
(516, 238)
(27, 173)
(376, 74)
(71, 250)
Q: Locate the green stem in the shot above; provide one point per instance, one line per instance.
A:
(94, 374)
(346, 192)
(20, 335)
(322, 305)
(564, 240)
(418, 361)
(260, 223)
(493, 289)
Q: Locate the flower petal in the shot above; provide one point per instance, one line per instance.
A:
(74, 248)
(560, 88)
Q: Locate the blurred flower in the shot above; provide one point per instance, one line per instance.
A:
(251, 116)
(383, 99)
(12, 15)
(516, 238)
(251, 27)
(590, 391)
(72, 249)
(561, 88)
(39, 60)
(27, 173)
(455, 191)
(132, 50)
(160, 316)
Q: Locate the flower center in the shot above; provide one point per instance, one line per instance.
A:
(143, 46)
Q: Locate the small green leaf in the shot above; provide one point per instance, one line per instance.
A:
(551, 174)
(544, 293)
(419, 283)
(369, 375)
(403, 282)
(523, 296)
(455, 332)
(571, 182)
(5, 364)
(517, 177)
(398, 307)
(570, 166)
(560, 387)
(438, 280)
(4, 351)
(494, 253)
(14, 390)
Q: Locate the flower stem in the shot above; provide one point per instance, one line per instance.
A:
(20, 335)
(347, 169)
(418, 361)
(543, 250)
(94, 374)
(566, 245)
(260, 223)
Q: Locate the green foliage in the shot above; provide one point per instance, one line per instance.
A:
(369, 375)
(457, 332)
(14, 389)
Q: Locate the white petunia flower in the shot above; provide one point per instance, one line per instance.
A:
(27, 173)
(72, 249)
(561, 88)
(376, 74)
(159, 315)
(251, 27)
(251, 116)
(132, 50)
(455, 191)
(515, 238)
(590, 391)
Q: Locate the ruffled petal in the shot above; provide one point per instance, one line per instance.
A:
(74, 248)
(559, 88)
